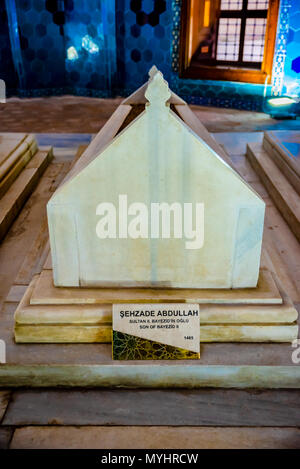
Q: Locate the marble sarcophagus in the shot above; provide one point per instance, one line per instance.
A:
(155, 206)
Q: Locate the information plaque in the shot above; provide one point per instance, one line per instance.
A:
(156, 331)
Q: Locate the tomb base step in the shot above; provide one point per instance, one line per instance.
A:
(62, 333)
(98, 314)
(45, 293)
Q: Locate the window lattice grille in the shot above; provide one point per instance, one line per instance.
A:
(241, 32)
(231, 4)
(258, 4)
(254, 39)
(228, 39)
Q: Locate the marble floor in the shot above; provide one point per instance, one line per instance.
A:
(73, 114)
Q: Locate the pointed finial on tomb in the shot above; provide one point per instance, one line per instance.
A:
(153, 70)
(157, 92)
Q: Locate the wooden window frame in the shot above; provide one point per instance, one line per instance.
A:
(227, 72)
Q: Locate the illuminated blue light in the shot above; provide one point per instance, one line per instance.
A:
(89, 45)
(281, 101)
(292, 88)
(282, 107)
(72, 53)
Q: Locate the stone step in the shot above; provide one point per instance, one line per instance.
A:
(153, 437)
(222, 407)
(284, 196)
(283, 159)
(16, 196)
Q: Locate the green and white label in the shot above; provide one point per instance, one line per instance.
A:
(174, 325)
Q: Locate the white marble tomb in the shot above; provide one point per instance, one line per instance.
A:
(156, 159)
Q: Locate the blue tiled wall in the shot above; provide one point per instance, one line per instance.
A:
(106, 47)
(144, 38)
(42, 46)
(7, 69)
(286, 74)
(291, 82)
(91, 31)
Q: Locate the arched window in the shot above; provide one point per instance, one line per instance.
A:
(228, 39)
